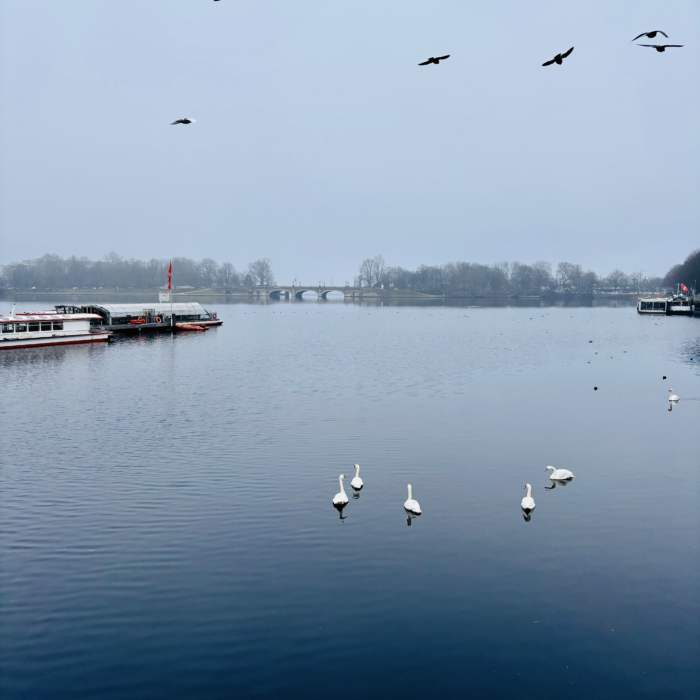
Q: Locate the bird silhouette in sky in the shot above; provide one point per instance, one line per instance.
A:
(650, 35)
(662, 47)
(184, 120)
(435, 60)
(558, 58)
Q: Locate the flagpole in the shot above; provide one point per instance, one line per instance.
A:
(170, 284)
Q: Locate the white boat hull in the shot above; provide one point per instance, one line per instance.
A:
(38, 340)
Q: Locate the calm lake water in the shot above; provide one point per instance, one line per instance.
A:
(166, 527)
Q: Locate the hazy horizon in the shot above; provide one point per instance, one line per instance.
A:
(319, 142)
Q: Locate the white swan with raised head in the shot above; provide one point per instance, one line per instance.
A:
(412, 506)
(340, 499)
(672, 396)
(357, 483)
(559, 474)
(528, 503)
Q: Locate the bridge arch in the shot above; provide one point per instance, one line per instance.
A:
(324, 294)
(300, 292)
(279, 293)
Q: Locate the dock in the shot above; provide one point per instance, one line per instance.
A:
(150, 317)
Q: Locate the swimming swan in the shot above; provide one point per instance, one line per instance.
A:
(357, 483)
(340, 499)
(672, 396)
(411, 506)
(559, 474)
(528, 503)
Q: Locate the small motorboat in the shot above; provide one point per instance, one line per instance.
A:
(190, 327)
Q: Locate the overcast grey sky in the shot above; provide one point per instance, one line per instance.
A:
(320, 142)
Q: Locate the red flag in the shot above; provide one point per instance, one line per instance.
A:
(170, 273)
(683, 287)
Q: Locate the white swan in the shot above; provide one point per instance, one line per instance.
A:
(528, 503)
(672, 396)
(411, 506)
(340, 499)
(357, 483)
(559, 474)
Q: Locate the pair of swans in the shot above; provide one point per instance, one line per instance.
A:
(528, 503)
(341, 498)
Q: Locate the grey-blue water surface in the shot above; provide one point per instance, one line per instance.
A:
(166, 527)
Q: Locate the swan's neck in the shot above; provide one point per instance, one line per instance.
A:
(410, 496)
(357, 470)
(342, 490)
(529, 490)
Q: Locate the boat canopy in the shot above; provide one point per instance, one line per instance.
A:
(181, 309)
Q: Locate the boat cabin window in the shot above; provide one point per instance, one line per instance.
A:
(58, 325)
(8, 327)
(659, 306)
(46, 326)
(646, 306)
(20, 327)
(33, 327)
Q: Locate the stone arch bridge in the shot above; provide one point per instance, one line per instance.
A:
(293, 292)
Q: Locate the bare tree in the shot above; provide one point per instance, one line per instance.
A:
(588, 281)
(209, 268)
(261, 273)
(504, 268)
(636, 279)
(228, 277)
(575, 276)
(564, 271)
(380, 268)
(521, 276)
(51, 268)
(616, 279)
(372, 270)
(542, 272)
(366, 274)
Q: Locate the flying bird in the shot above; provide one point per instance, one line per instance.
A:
(435, 60)
(662, 47)
(650, 35)
(558, 58)
(184, 120)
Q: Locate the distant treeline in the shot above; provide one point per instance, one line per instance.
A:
(687, 273)
(503, 277)
(54, 272)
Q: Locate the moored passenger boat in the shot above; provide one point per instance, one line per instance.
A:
(675, 305)
(28, 330)
(130, 318)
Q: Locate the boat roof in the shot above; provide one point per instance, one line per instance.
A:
(124, 309)
(23, 318)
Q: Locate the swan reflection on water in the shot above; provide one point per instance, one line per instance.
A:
(410, 517)
(355, 494)
(527, 517)
(340, 508)
(555, 484)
